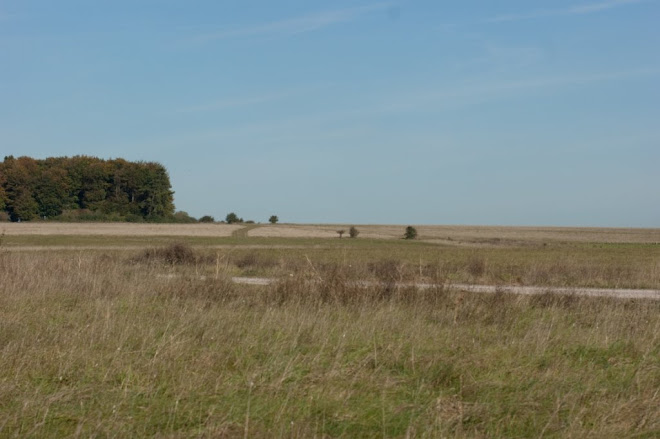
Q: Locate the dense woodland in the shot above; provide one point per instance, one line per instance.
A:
(84, 188)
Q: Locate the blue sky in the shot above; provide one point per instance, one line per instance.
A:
(401, 112)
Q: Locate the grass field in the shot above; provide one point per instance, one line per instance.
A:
(457, 235)
(98, 338)
(572, 257)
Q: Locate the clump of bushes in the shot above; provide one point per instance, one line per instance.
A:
(254, 260)
(177, 253)
(232, 218)
(183, 218)
(476, 266)
(353, 232)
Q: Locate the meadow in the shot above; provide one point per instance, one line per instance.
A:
(130, 335)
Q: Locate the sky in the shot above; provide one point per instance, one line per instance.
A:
(361, 112)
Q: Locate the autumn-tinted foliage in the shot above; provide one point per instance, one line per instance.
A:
(104, 189)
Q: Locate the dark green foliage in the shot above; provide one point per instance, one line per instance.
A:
(207, 219)
(273, 219)
(232, 218)
(3, 194)
(23, 206)
(85, 188)
(353, 232)
(183, 217)
(411, 233)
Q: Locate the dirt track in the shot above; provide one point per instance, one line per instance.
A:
(492, 289)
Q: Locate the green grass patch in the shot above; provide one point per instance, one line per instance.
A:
(94, 344)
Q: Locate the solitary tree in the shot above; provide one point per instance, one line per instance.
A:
(273, 219)
(411, 233)
(232, 218)
(341, 233)
(353, 232)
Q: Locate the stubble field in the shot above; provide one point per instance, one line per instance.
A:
(127, 334)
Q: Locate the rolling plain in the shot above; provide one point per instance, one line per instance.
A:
(139, 330)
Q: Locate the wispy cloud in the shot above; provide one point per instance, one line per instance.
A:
(569, 11)
(246, 101)
(445, 98)
(344, 121)
(495, 58)
(569, 80)
(461, 94)
(225, 104)
(296, 25)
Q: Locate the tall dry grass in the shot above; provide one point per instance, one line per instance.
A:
(564, 266)
(104, 345)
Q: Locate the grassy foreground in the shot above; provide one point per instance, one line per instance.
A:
(95, 344)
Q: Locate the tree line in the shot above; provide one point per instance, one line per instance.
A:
(84, 188)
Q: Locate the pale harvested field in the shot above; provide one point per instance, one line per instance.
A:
(117, 229)
(467, 234)
(458, 235)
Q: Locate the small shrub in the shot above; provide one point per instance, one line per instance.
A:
(353, 232)
(388, 271)
(254, 260)
(176, 254)
(476, 266)
(179, 253)
(341, 233)
(411, 233)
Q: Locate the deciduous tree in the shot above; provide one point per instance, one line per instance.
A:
(232, 218)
